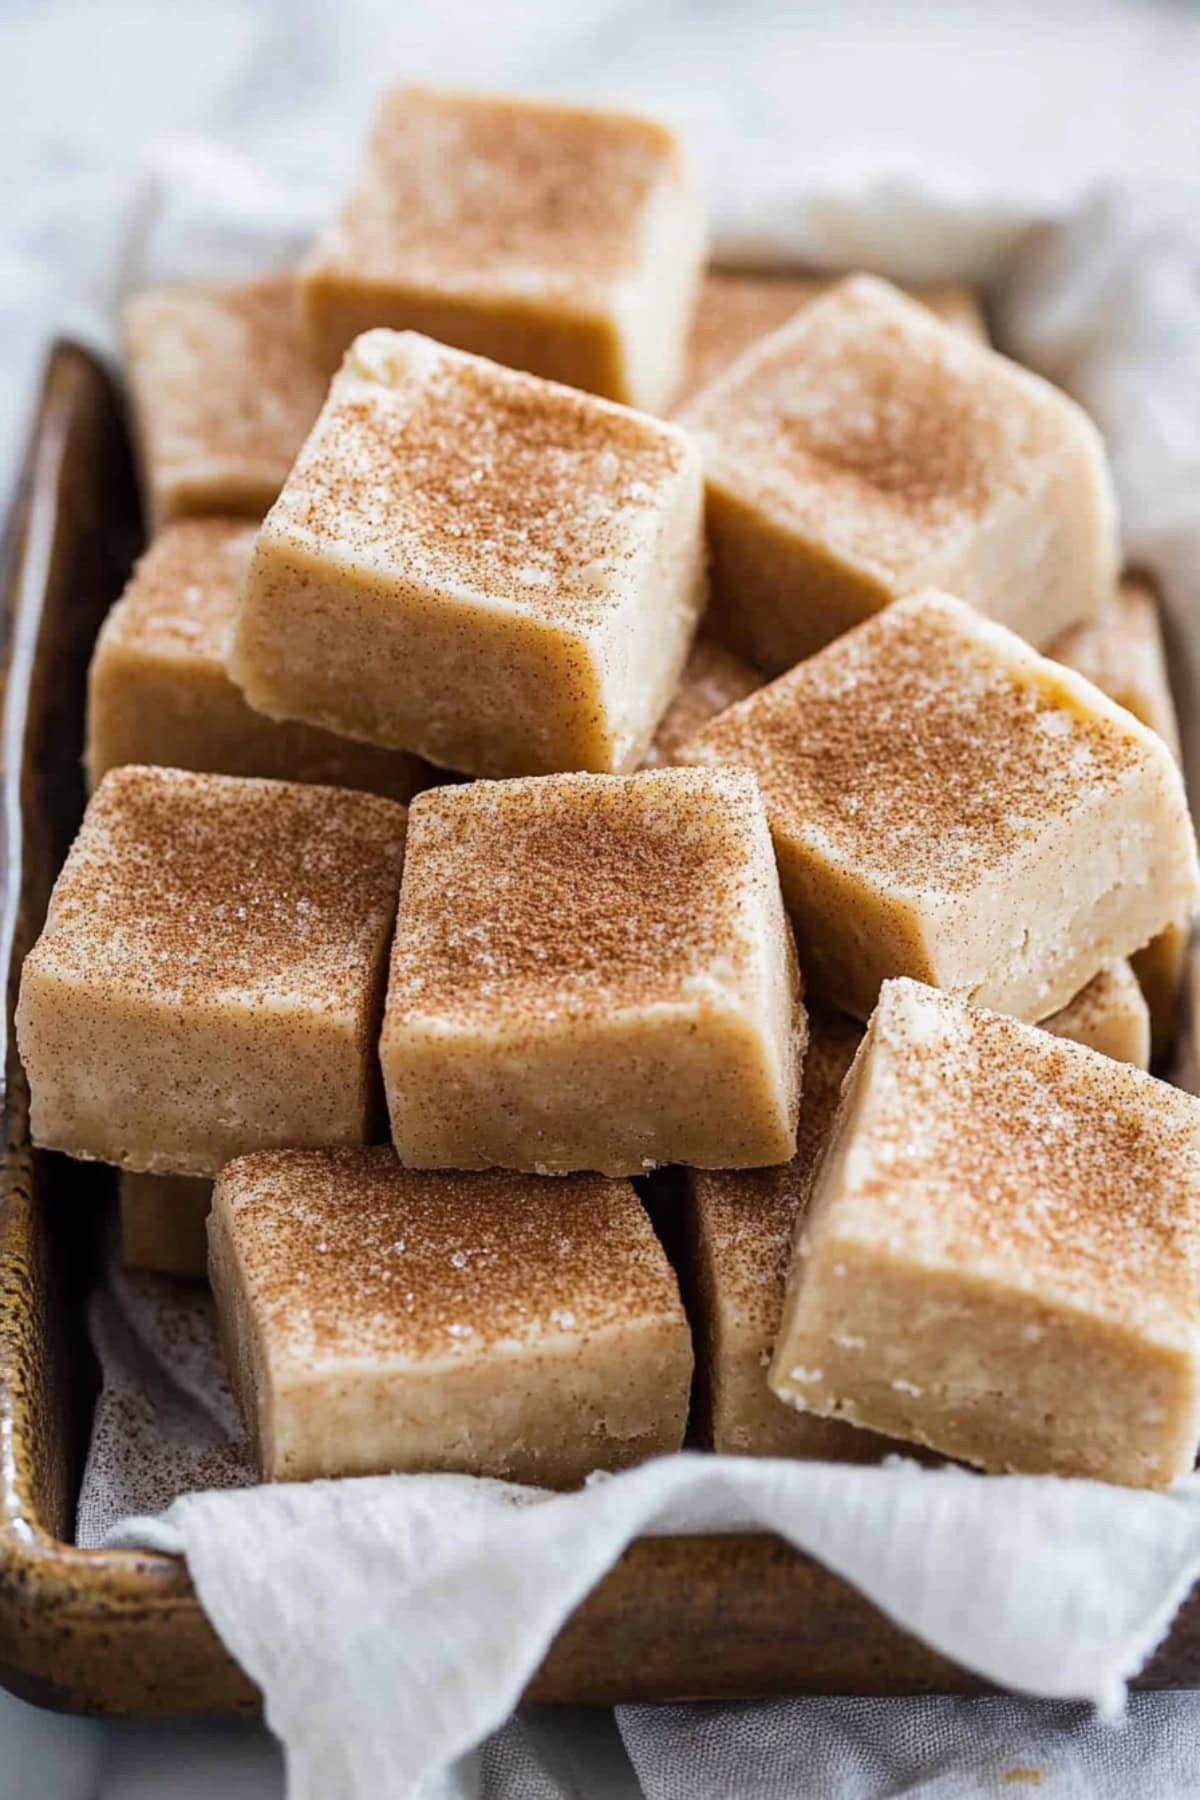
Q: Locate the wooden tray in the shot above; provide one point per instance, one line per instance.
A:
(118, 1632)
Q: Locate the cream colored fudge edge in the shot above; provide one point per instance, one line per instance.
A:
(644, 1417)
(809, 1365)
(590, 726)
(1161, 968)
(1092, 926)
(746, 540)
(653, 314)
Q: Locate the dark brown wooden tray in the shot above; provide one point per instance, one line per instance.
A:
(117, 1632)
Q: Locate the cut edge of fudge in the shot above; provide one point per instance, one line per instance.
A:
(908, 896)
(550, 1293)
(739, 1226)
(163, 1224)
(630, 1002)
(1028, 1266)
(809, 536)
(544, 300)
(554, 641)
(159, 692)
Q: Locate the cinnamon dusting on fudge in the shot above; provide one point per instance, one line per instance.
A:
(910, 748)
(445, 467)
(540, 195)
(572, 893)
(349, 1254)
(878, 456)
(209, 887)
(222, 381)
(1098, 1207)
(182, 598)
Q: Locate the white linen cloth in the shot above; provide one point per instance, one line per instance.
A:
(391, 1622)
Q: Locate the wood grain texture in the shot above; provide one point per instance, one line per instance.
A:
(122, 1633)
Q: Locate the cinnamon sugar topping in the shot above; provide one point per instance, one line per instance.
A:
(447, 469)
(924, 747)
(201, 889)
(526, 198)
(183, 596)
(734, 311)
(991, 1145)
(348, 1255)
(868, 425)
(526, 901)
(224, 392)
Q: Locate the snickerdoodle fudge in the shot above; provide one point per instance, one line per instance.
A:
(735, 310)
(377, 1318)
(224, 394)
(1110, 1015)
(159, 691)
(210, 974)
(164, 1224)
(867, 450)
(712, 679)
(564, 240)
(1001, 1254)
(739, 1226)
(498, 573)
(949, 805)
(593, 972)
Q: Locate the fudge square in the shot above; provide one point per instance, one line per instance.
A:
(558, 239)
(159, 691)
(211, 971)
(593, 972)
(867, 450)
(739, 1226)
(377, 1318)
(164, 1220)
(1001, 1257)
(1110, 1015)
(495, 572)
(735, 310)
(949, 805)
(223, 395)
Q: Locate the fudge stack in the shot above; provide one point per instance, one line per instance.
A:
(593, 741)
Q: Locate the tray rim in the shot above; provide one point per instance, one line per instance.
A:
(122, 1632)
